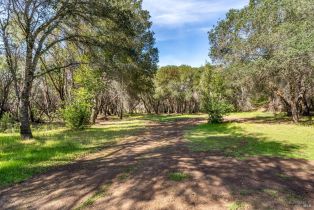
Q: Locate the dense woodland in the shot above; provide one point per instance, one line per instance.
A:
(268, 50)
(76, 60)
(73, 57)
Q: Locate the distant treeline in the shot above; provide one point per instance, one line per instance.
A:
(77, 60)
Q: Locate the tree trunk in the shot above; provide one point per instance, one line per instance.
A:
(94, 115)
(156, 106)
(25, 128)
(295, 112)
(146, 106)
(306, 110)
(311, 105)
(95, 111)
(121, 113)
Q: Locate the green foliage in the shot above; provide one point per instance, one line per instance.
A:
(89, 78)
(216, 108)
(214, 94)
(177, 88)
(5, 122)
(177, 82)
(109, 41)
(77, 113)
(268, 49)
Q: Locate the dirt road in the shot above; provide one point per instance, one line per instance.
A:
(134, 174)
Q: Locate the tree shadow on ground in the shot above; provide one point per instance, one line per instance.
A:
(22, 159)
(270, 120)
(215, 180)
(260, 183)
(232, 140)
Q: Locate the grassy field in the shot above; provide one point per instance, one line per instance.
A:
(168, 118)
(56, 146)
(260, 135)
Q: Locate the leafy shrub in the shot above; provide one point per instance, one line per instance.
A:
(216, 109)
(5, 122)
(77, 113)
(215, 91)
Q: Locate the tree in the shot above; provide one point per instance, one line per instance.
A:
(214, 94)
(272, 42)
(5, 85)
(43, 24)
(176, 87)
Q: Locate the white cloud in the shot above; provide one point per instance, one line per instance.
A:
(180, 12)
(181, 27)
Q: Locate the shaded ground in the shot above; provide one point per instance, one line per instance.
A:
(134, 174)
(267, 117)
(53, 146)
(246, 139)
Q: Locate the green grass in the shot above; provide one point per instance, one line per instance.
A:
(254, 138)
(20, 160)
(178, 176)
(54, 145)
(238, 205)
(255, 115)
(267, 117)
(168, 118)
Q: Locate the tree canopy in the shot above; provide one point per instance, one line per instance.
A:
(45, 41)
(74, 60)
(270, 44)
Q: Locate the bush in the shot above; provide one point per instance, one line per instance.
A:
(5, 122)
(77, 114)
(216, 109)
(214, 97)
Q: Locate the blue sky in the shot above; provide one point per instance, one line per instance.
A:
(181, 27)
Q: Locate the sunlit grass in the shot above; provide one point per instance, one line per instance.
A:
(55, 145)
(238, 205)
(21, 159)
(254, 138)
(255, 114)
(169, 118)
(267, 117)
(178, 176)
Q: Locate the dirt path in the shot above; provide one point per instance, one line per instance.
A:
(134, 175)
